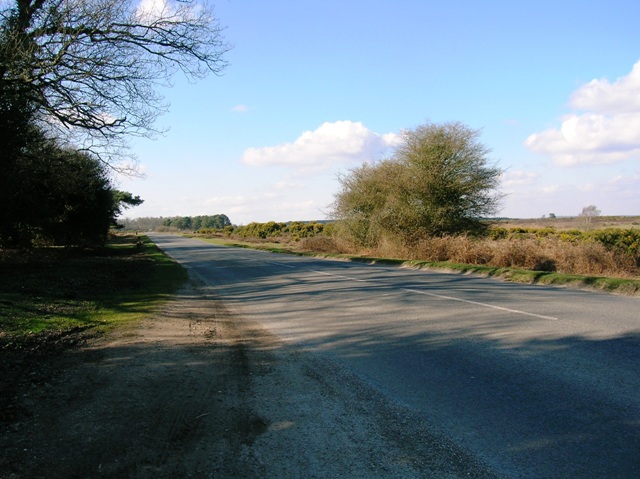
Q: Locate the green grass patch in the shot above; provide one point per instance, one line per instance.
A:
(45, 290)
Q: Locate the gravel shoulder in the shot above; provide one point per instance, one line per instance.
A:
(197, 391)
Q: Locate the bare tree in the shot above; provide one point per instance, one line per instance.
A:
(589, 212)
(92, 68)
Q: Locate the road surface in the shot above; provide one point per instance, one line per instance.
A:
(533, 381)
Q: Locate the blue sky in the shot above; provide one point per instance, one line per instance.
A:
(315, 88)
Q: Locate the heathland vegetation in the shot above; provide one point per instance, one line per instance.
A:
(429, 205)
(430, 202)
(608, 247)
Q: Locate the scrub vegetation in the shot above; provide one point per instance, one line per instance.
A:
(552, 250)
(429, 203)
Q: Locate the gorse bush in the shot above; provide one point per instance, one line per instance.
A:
(615, 239)
(293, 231)
(619, 240)
(607, 252)
(571, 236)
(299, 230)
(260, 230)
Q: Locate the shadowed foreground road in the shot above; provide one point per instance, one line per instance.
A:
(533, 381)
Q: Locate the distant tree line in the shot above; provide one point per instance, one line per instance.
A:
(196, 223)
(147, 223)
(182, 223)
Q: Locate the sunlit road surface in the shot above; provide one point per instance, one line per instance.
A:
(535, 381)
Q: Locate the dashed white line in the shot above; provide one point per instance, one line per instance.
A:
(441, 296)
(279, 264)
(477, 303)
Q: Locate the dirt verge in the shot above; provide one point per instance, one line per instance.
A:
(198, 392)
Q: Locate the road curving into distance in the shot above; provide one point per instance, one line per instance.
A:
(533, 381)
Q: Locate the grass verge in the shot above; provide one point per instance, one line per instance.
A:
(613, 285)
(47, 291)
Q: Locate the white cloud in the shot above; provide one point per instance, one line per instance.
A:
(606, 131)
(150, 10)
(338, 143)
(623, 187)
(288, 185)
(517, 178)
(266, 206)
(225, 200)
(240, 108)
(615, 190)
(621, 96)
(550, 189)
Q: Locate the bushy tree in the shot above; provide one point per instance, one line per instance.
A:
(81, 199)
(364, 205)
(57, 195)
(438, 182)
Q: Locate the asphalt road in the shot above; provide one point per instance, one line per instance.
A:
(536, 382)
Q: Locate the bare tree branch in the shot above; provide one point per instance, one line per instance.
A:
(94, 66)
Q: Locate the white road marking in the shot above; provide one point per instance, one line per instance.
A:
(441, 296)
(279, 264)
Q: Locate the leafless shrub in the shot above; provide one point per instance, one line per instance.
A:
(519, 253)
(548, 254)
(591, 259)
(469, 250)
(321, 244)
(432, 249)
